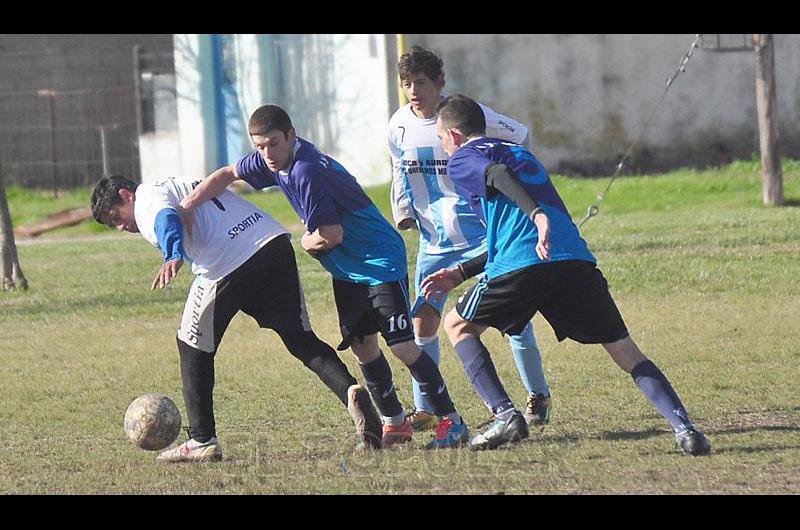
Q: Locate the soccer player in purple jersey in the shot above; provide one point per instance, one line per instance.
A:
(365, 256)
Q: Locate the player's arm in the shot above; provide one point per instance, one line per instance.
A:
(505, 128)
(442, 281)
(500, 178)
(169, 232)
(402, 212)
(210, 187)
(324, 238)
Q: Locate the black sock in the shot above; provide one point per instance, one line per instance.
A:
(656, 387)
(197, 375)
(431, 384)
(321, 359)
(378, 376)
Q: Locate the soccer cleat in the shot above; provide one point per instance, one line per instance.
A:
(368, 424)
(422, 420)
(537, 412)
(397, 434)
(192, 451)
(692, 442)
(449, 434)
(500, 431)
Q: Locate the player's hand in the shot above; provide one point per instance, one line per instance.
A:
(542, 223)
(166, 273)
(436, 285)
(187, 218)
(407, 223)
(307, 243)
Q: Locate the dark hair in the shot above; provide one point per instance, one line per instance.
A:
(419, 60)
(462, 113)
(106, 194)
(269, 118)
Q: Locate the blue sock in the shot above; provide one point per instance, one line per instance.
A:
(429, 345)
(378, 377)
(481, 372)
(431, 385)
(656, 387)
(529, 361)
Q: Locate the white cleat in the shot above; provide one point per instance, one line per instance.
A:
(192, 451)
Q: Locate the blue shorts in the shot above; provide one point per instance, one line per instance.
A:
(427, 264)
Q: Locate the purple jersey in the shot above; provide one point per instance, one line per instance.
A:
(322, 192)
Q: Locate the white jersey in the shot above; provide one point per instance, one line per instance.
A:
(225, 233)
(422, 189)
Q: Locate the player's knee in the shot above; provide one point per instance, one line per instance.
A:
(455, 326)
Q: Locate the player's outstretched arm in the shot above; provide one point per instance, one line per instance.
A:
(169, 232)
(209, 188)
(436, 285)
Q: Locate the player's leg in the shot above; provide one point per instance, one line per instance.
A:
(426, 325)
(584, 310)
(528, 359)
(658, 390)
(274, 297)
(360, 334)
(390, 310)
(426, 316)
(207, 313)
(501, 303)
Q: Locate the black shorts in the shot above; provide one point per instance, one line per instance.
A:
(368, 309)
(266, 287)
(572, 295)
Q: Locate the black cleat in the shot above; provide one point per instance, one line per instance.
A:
(514, 429)
(537, 411)
(692, 442)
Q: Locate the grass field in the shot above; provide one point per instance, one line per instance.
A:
(707, 278)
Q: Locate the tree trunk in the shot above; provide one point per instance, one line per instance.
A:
(12, 272)
(767, 105)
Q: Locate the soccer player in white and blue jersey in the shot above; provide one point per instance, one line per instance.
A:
(423, 196)
(363, 253)
(243, 260)
(536, 261)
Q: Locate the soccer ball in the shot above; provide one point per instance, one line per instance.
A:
(152, 421)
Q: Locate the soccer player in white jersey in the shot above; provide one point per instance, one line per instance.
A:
(423, 196)
(243, 261)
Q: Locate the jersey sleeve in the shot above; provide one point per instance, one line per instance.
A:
(401, 205)
(467, 168)
(169, 233)
(503, 127)
(252, 169)
(316, 196)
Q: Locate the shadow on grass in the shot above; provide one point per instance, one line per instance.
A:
(791, 202)
(650, 433)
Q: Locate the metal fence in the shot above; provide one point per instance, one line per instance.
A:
(59, 140)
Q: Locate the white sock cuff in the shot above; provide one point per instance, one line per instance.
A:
(424, 341)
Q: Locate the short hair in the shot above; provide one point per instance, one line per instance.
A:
(269, 118)
(463, 113)
(419, 60)
(106, 194)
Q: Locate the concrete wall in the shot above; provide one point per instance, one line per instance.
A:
(587, 96)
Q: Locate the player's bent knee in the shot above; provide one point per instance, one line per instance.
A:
(408, 351)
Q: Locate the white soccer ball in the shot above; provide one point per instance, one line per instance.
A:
(152, 421)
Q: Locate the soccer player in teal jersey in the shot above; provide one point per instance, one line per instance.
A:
(536, 261)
